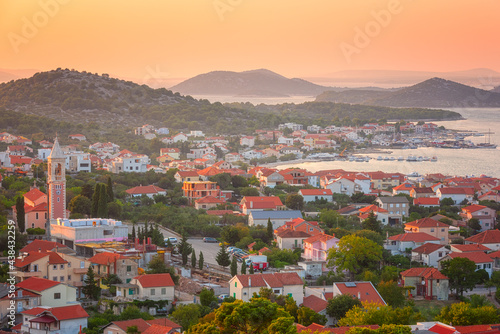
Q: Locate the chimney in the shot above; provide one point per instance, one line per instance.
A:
(251, 205)
(39, 250)
(359, 295)
(249, 282)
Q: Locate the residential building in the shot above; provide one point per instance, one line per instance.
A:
(486, 216)
(364, 291)
(207, 203)
(381, 180)
(290, 239)
(166, 325)
(194, 190)
(398, 244)
(186, 176)
(299, 224)
(53, 320)
(51, 293)
(78, 162)
(458, 195)
(429, 283)
(271, 178)
(107, 263)
(431, 227)
(137, 163)
(482, 260)
(36, 209)
(172, 152)
(260, 203)
(294, 176)
(149, 191)
(318, 305)
(380, 214)
(428, 254)
(277, 218)
(287, 284)
(316, 247)
(150, 286)
(312, 195)
(426, 202)
(70, 232)
(457, 248)
(247, 141)
(397, 206)
(23, 299)
(488, 238)
(403, 188)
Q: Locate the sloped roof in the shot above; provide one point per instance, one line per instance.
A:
(188, 173)
(471, 248)
(426, 222)
(141, 324)
(415, 237)
(393, 199)
(151, 189)
(372, 207)
(56, 150)
(163, 322)
(474, 208)
(105, 258)
(274, 280)
(423, 190)
(34, 194)
(423, 272)
(41, 245)
(319, 237)
(155, 280)
(315, 303)
(157, 329)
(316, 192)
(456, 191)
(54, 258)
(37, 284)
(486, 237)
(39, 208)
(292, 234)
(280, 214)
(427, 248)
(364, 291)
(477, 257)
(209, 200)
(426, 201)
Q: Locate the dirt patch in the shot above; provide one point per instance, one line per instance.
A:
(193, 285)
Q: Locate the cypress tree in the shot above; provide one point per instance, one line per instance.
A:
(90, 289)
(193, 258)
(111, 195)
(200, 261)
(251, 270)
(133, 233)
(102, 207)
(270, 231)
(243, 268)
(222, 257)
(145, 231)
(21, 222)
(95, 200)
(234, 267)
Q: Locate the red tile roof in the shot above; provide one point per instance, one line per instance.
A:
(423, 272)
(255, 199)
(39, 208)
(37, 284)
(155, 280)
(42, 245)
(106, 258)
(54, 258)
(21, 293)
(151, 189)
(415, 237)
(141, 324)
(34, 194)
(319, 237)
(364, 291)
(427, 248)
(157, 329)
(315, 303)
(473, 329)
(188, 173)
(456, 191)
(426, 222)
(473, 208)
(373, 208)
(486, 237)
(471, 248)
(163, 322)
(442, 329)
(209, 200)
(274, 280)
(477, 257)
(426, 201)
(292, 234)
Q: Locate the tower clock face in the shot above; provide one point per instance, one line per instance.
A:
(58, 192)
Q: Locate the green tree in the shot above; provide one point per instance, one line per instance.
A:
(234, 267)
(222, 257)
(157, 265)
(377, 314)
(371, 223)
(474, 225)
(243, 268)
(461, 273)
(133, 312)
(295, 202)
(102, 208)
(339, 305)
(463, 314)
(250, 271)
(249, 191)
(200, 261)
(306, 317)
(270, 230)
(193, 259)
(259, 315)
(185, 249)
(91, 289)
(80, 204)
(207, 296)
(87, 190)
(187, 315)
(447, 201)
(355, 254)
(20, 214)
(392, 293)
(95, 200)
(111, 195)
(132, 330)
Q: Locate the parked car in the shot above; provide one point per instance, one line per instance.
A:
(222, 297)
(173, 240)
(209, 239)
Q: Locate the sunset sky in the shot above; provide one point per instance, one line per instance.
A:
(296, 38)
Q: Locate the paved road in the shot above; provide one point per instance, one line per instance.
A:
(209, 250)
(480, 290)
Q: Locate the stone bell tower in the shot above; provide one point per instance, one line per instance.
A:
(56, 183)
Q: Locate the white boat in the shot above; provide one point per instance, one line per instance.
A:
(434, 159)
(420, 159)
(401, 158)
(427, 158)
(392, 158)
(414, 174)
(379, 158)
(411, 158)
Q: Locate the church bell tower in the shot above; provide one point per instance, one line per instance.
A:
(56, 182)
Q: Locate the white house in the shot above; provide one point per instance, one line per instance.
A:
(135, 163)
(64, 319)
(149, 191)
(43, 153)
(153, 287)
(398, 244)
(429, 254)
(285, 141)
(180, 137)
(311, 195)
(488, 238)
(247, 141)
(458, 195)
(482, 260)
(278, 218)
(343, 185)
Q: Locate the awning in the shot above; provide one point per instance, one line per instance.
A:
(46, 319)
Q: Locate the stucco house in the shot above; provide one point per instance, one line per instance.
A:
(427, 282)
(397, 206)
(488, 238)
(486, 216)
(398, 244)
(311, 195)
(290, 239)
(316, 247)
(431, 227)
(277, 218)
(149, 191)
(482, 260)
(64, 319)
(154, 287)
(428, 254)
(52, 293)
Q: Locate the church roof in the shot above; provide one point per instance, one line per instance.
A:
(56, 150)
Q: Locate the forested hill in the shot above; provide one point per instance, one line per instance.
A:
(432, 93)
(86, 98)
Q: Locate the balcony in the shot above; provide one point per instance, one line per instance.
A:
(80, 270)
(28, 274)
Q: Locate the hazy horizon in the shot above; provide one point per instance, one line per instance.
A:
(178, 40)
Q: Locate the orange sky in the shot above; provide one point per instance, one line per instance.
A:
(182, 38)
